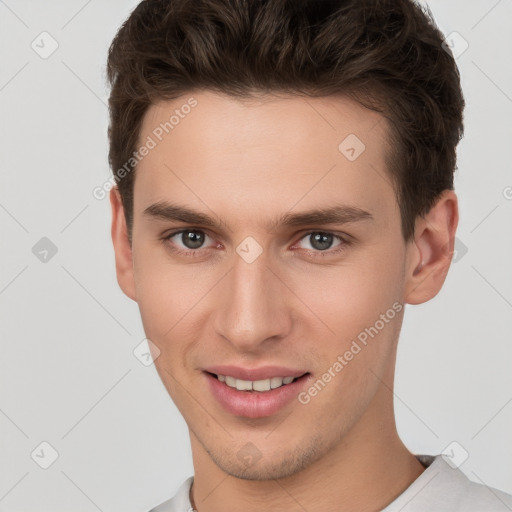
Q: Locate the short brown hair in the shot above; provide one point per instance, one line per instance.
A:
(386, 54)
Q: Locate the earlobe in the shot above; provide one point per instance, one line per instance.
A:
(122, 248)
(429, 255)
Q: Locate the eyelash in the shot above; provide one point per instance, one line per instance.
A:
(317, 254)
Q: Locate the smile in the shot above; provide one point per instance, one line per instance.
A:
(264, 395)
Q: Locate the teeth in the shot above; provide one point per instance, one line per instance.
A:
(275, 382)
(255, 385)
(243, 385)
(261, 385)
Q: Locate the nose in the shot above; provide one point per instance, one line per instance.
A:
(252, 305)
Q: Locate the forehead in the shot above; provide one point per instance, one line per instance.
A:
(278, 119)
(249, 155)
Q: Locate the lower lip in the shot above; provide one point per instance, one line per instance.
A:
(255, 404)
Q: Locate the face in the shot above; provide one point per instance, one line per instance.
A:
(257, 287)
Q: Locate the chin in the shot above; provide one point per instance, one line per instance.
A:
(249, 464)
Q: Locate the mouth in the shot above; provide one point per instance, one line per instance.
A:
(255, 398)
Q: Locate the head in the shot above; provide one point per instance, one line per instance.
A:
(284, 176)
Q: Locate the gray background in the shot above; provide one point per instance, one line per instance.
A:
(68, 373)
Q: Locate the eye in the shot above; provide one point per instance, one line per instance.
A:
(186, 241)
(189, 242)
(321, 241)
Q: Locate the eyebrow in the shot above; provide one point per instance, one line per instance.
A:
(339, 214)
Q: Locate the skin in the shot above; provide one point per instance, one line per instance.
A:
(246, 163)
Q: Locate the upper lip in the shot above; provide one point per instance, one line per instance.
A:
(264, 372)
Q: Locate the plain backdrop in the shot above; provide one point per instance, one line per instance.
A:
(71, 375)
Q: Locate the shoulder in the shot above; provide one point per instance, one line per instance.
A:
(180, 502)
(444, 488)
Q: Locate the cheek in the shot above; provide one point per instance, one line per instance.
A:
(165, 292)
(359, 302)
(350, 297)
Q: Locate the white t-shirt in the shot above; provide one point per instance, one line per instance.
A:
(440, 488)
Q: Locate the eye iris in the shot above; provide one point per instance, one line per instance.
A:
(321, 241)
(192, 239)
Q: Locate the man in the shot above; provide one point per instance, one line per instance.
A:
(284, 176)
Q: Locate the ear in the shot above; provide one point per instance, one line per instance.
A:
(430, 254)
(122, 248)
